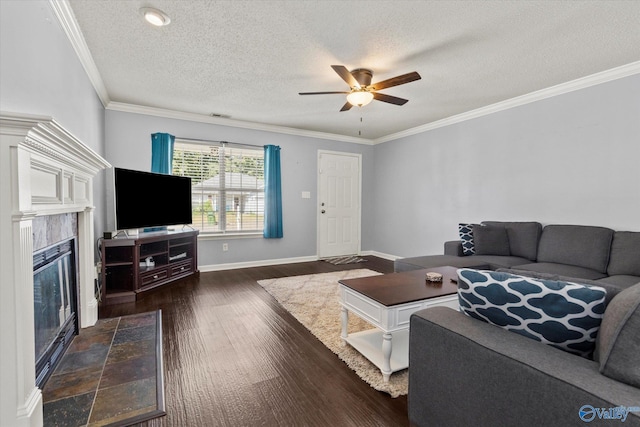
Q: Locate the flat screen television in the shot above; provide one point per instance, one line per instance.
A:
(145, 199)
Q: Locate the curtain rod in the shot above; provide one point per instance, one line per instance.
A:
(218, 142)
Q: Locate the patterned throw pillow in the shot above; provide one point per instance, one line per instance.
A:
(562, 314)
(466, 236)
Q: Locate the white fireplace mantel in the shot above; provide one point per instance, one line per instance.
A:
(44, 170)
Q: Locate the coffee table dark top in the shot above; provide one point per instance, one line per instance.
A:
(408, 286)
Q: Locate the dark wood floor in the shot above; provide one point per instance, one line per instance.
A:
(234, 357)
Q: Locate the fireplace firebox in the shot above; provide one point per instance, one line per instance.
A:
(55, 305)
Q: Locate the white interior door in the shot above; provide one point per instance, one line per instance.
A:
(338, 203)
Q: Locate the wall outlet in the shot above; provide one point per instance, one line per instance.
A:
(225, 247)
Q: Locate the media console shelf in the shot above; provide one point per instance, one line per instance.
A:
(125, 272)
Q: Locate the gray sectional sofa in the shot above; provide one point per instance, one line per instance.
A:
(467, 372)
(602, 255)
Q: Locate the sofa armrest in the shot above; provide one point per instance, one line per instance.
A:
(467, 372)
(453, 247)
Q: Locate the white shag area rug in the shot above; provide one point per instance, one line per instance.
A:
(315, 301)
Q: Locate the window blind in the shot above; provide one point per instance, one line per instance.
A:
(227, 185)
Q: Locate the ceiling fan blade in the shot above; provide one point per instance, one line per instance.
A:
(390, 99)
(346, 107)
(396, 81)
(346, 75)
(319, 93)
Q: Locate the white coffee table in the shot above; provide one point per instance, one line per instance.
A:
(387, 302)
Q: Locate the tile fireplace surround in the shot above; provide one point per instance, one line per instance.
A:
(44, 170)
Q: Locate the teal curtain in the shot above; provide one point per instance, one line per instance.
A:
(162, 152)
(161, 159)
(272, 193)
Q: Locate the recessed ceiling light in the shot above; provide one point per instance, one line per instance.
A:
(155, 16)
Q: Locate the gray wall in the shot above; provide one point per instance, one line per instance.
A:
(570, 159)
(128, 145)
(41, 74)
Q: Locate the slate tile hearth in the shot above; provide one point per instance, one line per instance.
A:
(109, 373)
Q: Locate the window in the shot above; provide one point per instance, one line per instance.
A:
(227, 185)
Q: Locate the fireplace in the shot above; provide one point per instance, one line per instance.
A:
(45, 172)
(54, 305)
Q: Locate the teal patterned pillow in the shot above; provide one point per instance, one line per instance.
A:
(466, 237)
(562, 314)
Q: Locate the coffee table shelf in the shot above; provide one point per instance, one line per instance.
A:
(369, 344)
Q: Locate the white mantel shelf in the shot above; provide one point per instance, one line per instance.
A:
(44, 170)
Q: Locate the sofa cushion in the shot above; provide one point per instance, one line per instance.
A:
(453, 247)
(491, 240)
(579, 245)
(562, 270)
(562, 314)
(523, 237)
(466, 237)
(430, 261)
(618, 347)
(498, 261)
(625, 254)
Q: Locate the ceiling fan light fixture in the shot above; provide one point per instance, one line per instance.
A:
(155, 16)
(359, 98)
(362, 91)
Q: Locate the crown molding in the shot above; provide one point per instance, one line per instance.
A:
(562, 88)
(68, 22)
(201, 118)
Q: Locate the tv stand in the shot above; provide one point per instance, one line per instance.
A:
(126, 275)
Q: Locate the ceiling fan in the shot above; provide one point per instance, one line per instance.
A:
(363, 91)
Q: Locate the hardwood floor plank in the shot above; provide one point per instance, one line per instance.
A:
(234, 357)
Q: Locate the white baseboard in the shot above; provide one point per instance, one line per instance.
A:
(261, 263)
(268, 262)
(380, 255)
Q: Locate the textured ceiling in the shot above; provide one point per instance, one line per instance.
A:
(249, 59)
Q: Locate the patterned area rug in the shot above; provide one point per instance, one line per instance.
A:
(315, 301)
(350, 259)
(110, 375)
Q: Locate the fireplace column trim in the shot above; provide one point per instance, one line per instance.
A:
(87, 302)
(23, 268)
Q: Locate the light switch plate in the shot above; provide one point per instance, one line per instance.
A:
(306, 194)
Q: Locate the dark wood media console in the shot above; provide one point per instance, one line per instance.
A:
(125, 274)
